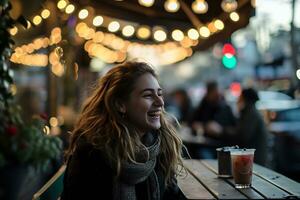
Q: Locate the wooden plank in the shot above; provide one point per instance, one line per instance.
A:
(265, 188)
(217, 187)
(249, 192)
(277, 179)
(192, 188)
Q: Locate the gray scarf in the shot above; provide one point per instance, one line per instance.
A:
(132, 174)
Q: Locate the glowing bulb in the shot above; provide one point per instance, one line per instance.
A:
(37, 20)
(61, 4)
(204, 31)
(298, 73)
(13, 31)
(146, 3)
(229, 5)
(97, 21)
(234, 16)
(177, 35)
(219, 24)
(199, 6)
(45, 13)
(53, 121)
(193, 34)
(143, 32)
(70, 8)
(83, 14)
(172, 5)
(28, 24)
(128, 31)
(160, 35)
(113, 26)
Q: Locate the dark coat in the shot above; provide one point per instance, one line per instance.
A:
(252, 133)
(88, 176)
(219, 112)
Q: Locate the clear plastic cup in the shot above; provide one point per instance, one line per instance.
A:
(242, 165)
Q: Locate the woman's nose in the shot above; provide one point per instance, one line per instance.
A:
(159, 101)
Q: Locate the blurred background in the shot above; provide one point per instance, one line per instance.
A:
(64, 46)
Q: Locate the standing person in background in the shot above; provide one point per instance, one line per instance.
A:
(123, 146)
(251, 130)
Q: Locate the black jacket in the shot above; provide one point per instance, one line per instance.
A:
(88, 176)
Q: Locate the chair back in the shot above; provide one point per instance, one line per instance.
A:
(53, 188)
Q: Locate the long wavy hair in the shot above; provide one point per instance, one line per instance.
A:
(106, 129)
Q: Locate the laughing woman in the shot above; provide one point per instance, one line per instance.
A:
(123, 146)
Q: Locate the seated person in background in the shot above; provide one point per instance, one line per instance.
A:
(213, 114)
(123, 146)
(184, 104)
(251, 130)
(212, 117)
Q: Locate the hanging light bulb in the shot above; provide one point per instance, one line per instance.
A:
(199, 6)
(229, 5)
(146, 3)
(234, 16)
(171, 5)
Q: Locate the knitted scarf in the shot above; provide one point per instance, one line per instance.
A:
(132, 174)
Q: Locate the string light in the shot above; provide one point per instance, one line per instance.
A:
(128, 31)
(113, 26)
(143, 32)
(53, 121)
(45, 13)
(37, 20)
(177, 35)
(160, 35)
(172, 5)
(83, 14)
(219, 24)
(61, 4)
(193, 34)
(229, 5)
(70, 9)
(234, 16)
(97, 21)
(204, 32)
(28, 24)
(13, 31)
(146, 3)
(298, 73)
(200, 6)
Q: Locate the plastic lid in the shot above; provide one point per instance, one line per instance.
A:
(227, 149)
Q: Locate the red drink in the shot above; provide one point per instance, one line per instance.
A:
(242, 164)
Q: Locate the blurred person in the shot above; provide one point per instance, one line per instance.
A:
(183, 102)
(251, 130)
(213, 114)
(123, 146)
(212, 118)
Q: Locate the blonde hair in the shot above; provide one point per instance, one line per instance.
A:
(103, 126)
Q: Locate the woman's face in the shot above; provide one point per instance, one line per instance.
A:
(144, 106)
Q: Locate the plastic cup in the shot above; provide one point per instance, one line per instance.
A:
(224, 161)
(242, 165)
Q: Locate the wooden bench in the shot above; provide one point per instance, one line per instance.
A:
(53, 188)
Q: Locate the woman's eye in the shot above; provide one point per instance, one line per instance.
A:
(147, 95)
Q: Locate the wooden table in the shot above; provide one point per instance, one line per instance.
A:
(202, 182)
